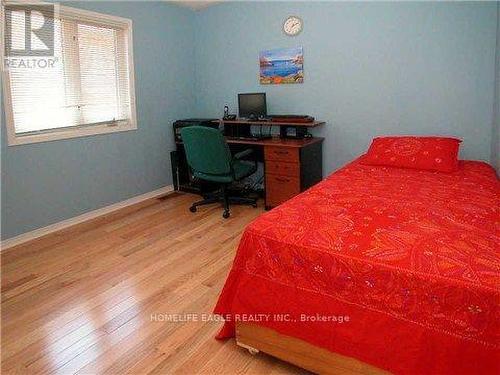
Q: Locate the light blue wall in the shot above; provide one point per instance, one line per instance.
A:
(370, 68)
(48, 182)
(495, 133)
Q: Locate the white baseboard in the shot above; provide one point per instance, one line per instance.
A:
(28, 236)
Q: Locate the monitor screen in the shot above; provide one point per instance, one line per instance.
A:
(252, 105)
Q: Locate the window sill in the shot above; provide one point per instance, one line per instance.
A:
(15, 140)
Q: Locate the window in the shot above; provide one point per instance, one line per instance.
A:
(87, 89)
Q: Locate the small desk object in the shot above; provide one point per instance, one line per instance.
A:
(291, 165)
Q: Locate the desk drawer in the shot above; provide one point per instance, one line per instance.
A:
(288, 154)
(280, 188)
(282, 168)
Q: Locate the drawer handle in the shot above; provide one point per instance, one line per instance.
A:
(280, 179)
(281, 152)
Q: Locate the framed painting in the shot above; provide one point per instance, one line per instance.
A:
(281, 66)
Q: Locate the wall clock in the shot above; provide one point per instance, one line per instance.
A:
(292, 25)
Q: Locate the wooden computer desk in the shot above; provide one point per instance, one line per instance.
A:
(290, 165)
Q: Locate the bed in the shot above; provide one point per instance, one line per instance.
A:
(374, 269)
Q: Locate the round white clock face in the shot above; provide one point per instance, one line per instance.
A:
(292, 25)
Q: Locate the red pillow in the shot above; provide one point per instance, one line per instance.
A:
(427, 153)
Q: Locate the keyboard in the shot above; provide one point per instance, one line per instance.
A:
(253, 138)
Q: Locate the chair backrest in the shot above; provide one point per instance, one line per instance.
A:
(206, 150)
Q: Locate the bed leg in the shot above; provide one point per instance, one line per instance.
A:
(250, 349)
(253, 351)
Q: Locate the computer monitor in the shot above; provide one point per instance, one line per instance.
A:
(252, 105)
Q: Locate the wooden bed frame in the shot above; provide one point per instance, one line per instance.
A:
(298, 352)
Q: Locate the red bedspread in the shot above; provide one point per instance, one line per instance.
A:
(411, 258)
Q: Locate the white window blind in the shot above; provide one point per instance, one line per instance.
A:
(89, 84)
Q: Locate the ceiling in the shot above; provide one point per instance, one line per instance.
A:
(196, 5)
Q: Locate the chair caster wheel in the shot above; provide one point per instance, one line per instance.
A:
(192, 209)
(225, 214)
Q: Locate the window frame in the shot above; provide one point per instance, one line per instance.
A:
(14, 139)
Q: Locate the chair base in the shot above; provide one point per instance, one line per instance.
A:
(222, 197)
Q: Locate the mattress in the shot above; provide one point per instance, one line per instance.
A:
(396, 267)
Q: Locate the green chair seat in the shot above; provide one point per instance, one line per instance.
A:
(241, 169)
(210, 159)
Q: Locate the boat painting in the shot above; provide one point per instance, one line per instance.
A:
(281, 66)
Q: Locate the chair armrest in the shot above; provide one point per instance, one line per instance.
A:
(243, 153)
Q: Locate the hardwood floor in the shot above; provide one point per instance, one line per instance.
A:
(85, 300)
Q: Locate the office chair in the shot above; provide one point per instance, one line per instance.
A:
(210, 159)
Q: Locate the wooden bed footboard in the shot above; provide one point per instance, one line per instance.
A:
(298, 352)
